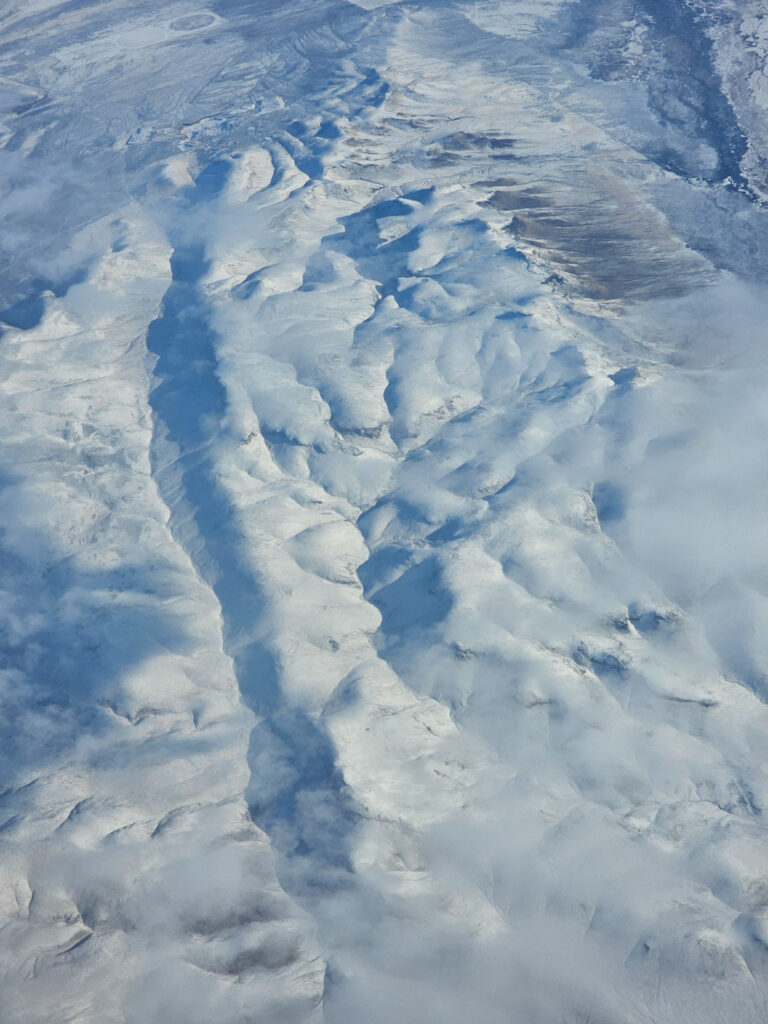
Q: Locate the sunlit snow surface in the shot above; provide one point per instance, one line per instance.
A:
(383, 492)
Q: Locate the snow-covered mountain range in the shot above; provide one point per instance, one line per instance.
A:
(382, 512)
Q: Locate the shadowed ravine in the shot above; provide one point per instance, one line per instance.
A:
(189, 406)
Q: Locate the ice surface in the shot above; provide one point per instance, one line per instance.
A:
(382, 498)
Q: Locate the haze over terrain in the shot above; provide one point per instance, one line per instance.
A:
(382, 512)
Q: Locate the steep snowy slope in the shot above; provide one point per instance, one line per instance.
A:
(382, 502)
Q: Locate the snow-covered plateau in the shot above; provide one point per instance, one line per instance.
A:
(383, 490)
